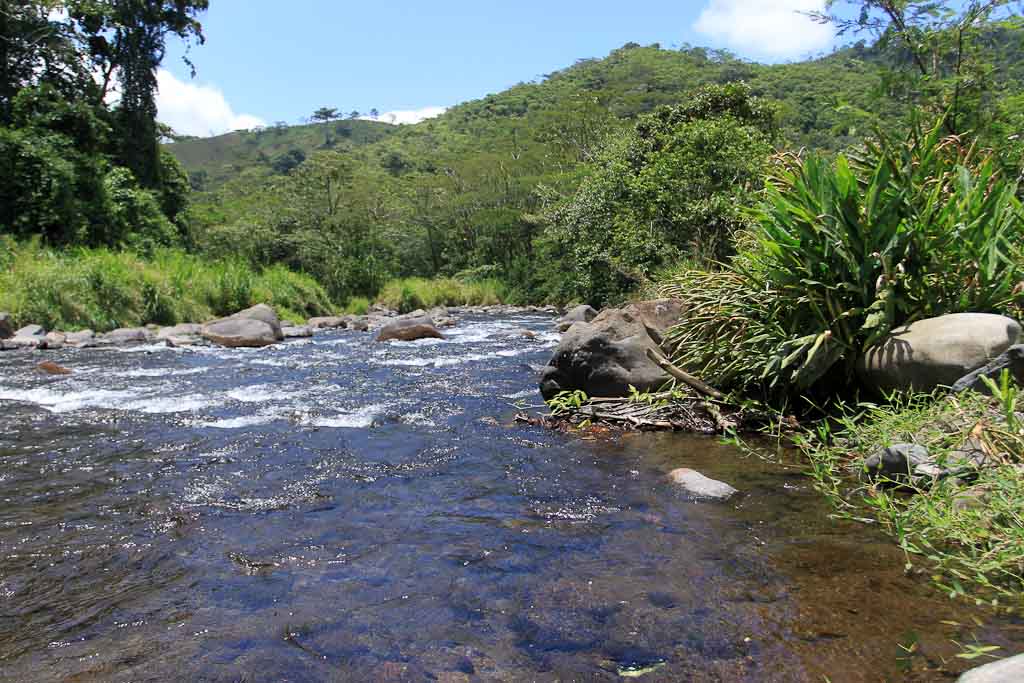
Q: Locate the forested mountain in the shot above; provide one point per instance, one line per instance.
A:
(473, 191)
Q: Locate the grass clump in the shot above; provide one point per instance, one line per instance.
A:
(409, 294)
(357, 305)
(968, 530)
(102, 289)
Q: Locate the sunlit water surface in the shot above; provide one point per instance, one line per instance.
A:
(342, 510)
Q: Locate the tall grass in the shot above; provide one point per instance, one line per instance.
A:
(102, 289)
(409, 294)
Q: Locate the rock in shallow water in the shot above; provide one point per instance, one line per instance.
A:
(297, 332)
(696, 484)
(51, 368)
(6, 326)
(1004, 671)
(409, 329)
(252, 328)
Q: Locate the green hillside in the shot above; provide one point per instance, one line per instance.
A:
(212, 161)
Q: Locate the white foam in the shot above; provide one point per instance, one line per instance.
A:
(263, 393)
(240, 422)
(158, 372)
(70, 401)
(358, 419)
(154, 405)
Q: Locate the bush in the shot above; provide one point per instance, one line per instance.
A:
(412, 294)
(841, 252)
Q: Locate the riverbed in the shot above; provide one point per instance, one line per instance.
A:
(341, 510)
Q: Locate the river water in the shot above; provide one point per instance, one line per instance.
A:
(343, 510)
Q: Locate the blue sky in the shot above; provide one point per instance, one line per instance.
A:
(266, 61)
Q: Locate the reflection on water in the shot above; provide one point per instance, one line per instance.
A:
(343, 511)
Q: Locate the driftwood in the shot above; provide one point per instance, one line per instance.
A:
(684, 377)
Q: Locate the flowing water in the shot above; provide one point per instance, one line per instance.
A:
(342, 510)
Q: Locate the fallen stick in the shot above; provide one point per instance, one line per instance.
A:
(684, 377)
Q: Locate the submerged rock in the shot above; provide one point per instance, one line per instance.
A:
(51, 368)
(937, 352)
(604, 357)
(409, 329)
(696, 484)
(1009, 670)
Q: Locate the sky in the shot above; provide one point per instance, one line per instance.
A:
(266, 61)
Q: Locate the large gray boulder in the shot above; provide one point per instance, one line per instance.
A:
(30, 331)
(579, 314)
(1009, 670)
(936, 352)
(297, 331)
(6, 326)
(607, 355)
(409, 329)
(252, 328)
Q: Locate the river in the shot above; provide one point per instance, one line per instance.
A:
(343, 510)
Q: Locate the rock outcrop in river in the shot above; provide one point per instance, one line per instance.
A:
(607, 355)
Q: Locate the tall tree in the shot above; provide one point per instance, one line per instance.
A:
(126, 41)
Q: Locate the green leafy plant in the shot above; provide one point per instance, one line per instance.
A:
(565, 402)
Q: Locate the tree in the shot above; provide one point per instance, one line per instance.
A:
(374, 114)
(353, 115)
(325, 114)
(127, 40)
(938, 44)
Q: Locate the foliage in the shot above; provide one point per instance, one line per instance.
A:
(968, 530)
(565, 402)
(101, 289)
(841, 252)
(410, 294)
(674, 187)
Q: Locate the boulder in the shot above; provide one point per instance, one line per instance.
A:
(241, 333)
(409, 329)
(898, 461)
(914, 463)
(297, 332)
(262, 313)
(357, 323)
(1010, 670)
(179, 331)
(128, 335)
(252, 328)
(607, 355)
(55, 340)
(699, 486)
(30, 331)
(6, 326)
(1012, 360)
(80, 340)
(579, 314)
(936, 352)
(327, 323)
(51, 368)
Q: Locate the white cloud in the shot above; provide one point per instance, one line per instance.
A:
(193, 109)
(771, 29)
(403, 116)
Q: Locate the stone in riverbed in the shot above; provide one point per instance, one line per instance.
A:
(898, 460)
(30, 331)
(936, 352)
(127, 335)
(607, 355)
(252, 328)
(178, 331)
(327, 323)
(51, 368)
(579, 314)
(80, 340)
(409, 329)
(699, 486)
(1010, 670)
(6, 326)
(55, 340)
(357, 323)
(297, 332)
